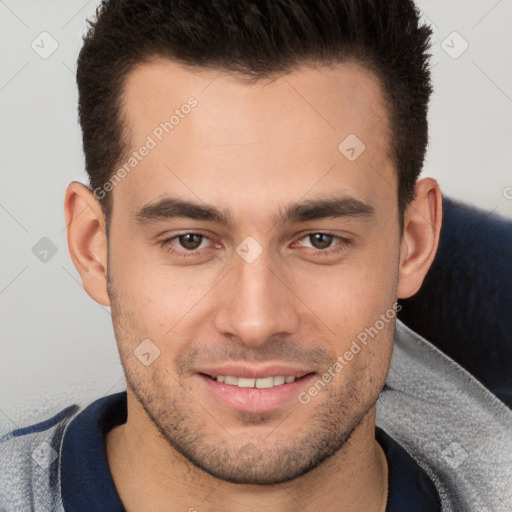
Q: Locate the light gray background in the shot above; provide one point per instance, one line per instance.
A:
(58, 342)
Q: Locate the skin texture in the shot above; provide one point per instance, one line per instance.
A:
(252, 150)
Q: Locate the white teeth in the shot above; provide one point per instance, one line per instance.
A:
(243, 382)
(267, 382)
(263, 383)
(278, 381)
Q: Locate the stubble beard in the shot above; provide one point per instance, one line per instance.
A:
(194, 430)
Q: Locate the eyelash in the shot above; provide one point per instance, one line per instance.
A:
(343, 244)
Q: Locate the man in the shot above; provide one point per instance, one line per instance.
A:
(253, 216)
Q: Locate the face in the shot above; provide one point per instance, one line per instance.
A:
(252, 244)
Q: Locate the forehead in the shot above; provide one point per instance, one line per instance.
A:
(247, 136)
(341, 96)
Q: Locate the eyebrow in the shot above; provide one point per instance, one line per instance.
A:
(170, 208)
(314, 209)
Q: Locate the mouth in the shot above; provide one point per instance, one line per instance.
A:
(255, 390)
(258, 383)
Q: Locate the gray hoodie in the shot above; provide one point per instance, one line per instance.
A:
(453, 427)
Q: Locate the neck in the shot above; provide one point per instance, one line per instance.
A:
(151, 475)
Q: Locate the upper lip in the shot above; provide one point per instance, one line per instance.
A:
(253, 372)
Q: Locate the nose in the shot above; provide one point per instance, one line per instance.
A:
(256, 302)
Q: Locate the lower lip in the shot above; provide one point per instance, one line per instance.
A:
(254, 399)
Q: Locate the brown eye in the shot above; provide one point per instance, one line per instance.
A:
(320, 240)
(190, 241)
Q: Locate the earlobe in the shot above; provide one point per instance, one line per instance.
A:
(87, 240)
(422, 227)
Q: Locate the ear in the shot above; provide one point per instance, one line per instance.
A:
(87, 239)
(422, 226)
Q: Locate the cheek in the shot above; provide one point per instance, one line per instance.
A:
(351, 296)
(159, 298)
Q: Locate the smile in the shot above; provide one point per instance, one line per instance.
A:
(261, 383)
(256, 393)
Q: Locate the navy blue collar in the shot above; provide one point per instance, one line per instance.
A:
(87, 484)
(409, 487)
(86, 481)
